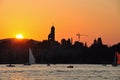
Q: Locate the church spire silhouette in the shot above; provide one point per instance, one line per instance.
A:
(51, 36)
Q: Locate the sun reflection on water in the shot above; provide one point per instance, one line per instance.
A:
(17, 77)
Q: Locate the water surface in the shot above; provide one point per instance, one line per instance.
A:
(59, 72)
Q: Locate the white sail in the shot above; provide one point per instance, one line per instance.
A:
(31, 57)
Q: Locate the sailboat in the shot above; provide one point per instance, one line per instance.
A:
(31, 58)
(116, 59)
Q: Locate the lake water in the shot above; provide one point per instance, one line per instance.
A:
(59, 72)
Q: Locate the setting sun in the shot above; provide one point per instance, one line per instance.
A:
(19, 36)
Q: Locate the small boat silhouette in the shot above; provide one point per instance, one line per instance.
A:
(10, 65)
(70, 66)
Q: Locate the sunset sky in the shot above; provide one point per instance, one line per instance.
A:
(34, 18)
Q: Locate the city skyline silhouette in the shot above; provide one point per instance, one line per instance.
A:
(59, 39)
(15, 51)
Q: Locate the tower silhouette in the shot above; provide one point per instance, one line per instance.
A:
(51, 36)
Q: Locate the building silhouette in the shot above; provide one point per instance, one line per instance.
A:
(51, 36)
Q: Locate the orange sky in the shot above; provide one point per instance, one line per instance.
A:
(34, 18)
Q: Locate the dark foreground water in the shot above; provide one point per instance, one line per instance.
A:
(60, 72)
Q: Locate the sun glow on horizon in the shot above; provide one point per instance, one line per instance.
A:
(19, 36)
(34, 18)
